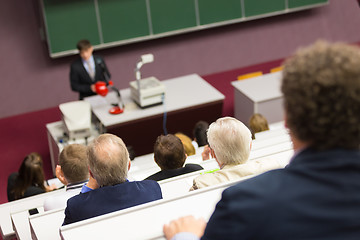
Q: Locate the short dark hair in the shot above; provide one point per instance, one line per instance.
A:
(169, 152)
(321, 88)
(199, 133)
(74, 163)
(83, 44)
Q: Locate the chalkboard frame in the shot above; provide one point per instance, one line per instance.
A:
(100, 44)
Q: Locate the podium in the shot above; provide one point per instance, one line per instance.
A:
(259, 95)
(188, 99)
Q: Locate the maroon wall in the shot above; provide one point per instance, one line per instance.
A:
(32, 81)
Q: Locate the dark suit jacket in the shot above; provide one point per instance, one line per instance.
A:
(80, 80)
(164, 174)
(110, 199)
(317, 196)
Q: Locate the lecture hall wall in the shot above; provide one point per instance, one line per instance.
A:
(31, 80)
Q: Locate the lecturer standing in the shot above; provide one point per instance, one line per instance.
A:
(87, 70)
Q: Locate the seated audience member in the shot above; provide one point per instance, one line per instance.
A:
(230, 144)
(169, 155)
(186, 141)
(30, 180)
(317, 195)
(258, 123)
(199, 134)
(131, 151)
(108, 164)
(72, 171)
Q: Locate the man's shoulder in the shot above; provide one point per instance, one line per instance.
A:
(144, 184)
(208, 179)
(156, 176)
(145, 189)
(76, 62)
(263, 184)
(193, 166)
(141, 186)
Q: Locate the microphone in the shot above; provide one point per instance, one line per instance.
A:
(101, 64)
(104, 72)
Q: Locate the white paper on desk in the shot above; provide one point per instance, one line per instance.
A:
(55, 181)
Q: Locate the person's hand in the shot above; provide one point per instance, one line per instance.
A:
(92, 86)
(185, 224)
(206, 153)
(50, 188)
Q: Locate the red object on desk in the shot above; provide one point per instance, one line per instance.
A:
(116, 110)
(103, 90)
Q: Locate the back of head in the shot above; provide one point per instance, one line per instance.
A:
(31, 173)
(74, 163)
(321, 88)
(169, 152)
(108, 160)
(83, 44)
(199, 133)
(186, 141)
(258, 123)
(230, 139)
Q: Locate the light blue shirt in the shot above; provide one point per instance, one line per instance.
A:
(92, 63)
(185, 236)
(85, 189)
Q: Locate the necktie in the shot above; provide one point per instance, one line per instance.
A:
(91, 70)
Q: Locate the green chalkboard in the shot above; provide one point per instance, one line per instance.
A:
(123, 19)
(302, 3)
(170, 15)
(212, 11)
(259, 7)
(68, 21)
(115, 22)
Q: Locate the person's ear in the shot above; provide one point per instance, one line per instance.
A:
(212, 152)
(60, 175)
(90, 173)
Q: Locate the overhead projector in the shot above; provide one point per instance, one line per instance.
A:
(149, 91)
(76, 117)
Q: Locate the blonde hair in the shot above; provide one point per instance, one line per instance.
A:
(186, 141)
(258, 123)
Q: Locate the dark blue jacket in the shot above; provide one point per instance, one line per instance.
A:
(110, 198)
(317, 196)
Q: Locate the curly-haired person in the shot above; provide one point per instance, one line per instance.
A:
(317, 196)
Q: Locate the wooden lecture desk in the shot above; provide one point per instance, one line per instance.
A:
(259, 95)
(188, 99)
